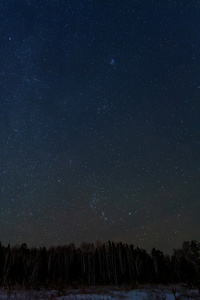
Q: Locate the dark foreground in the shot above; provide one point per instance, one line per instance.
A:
(108, 293)
(97, 265)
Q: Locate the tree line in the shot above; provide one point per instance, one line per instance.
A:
(97, 264)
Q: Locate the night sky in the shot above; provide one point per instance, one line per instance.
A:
(100, 122)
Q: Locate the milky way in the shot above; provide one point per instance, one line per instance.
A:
(99, 118)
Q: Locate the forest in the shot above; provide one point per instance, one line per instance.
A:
(97, 264)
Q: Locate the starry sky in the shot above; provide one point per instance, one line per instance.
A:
(100, 122)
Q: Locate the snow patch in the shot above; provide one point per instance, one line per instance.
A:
(108, 294)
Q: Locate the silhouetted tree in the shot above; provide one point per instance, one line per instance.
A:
(89, 264)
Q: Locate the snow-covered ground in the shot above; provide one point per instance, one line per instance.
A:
(145, 293)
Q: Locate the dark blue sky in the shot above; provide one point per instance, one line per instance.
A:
(99, 118)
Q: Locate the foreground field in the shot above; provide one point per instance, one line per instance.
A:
(144, 293)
